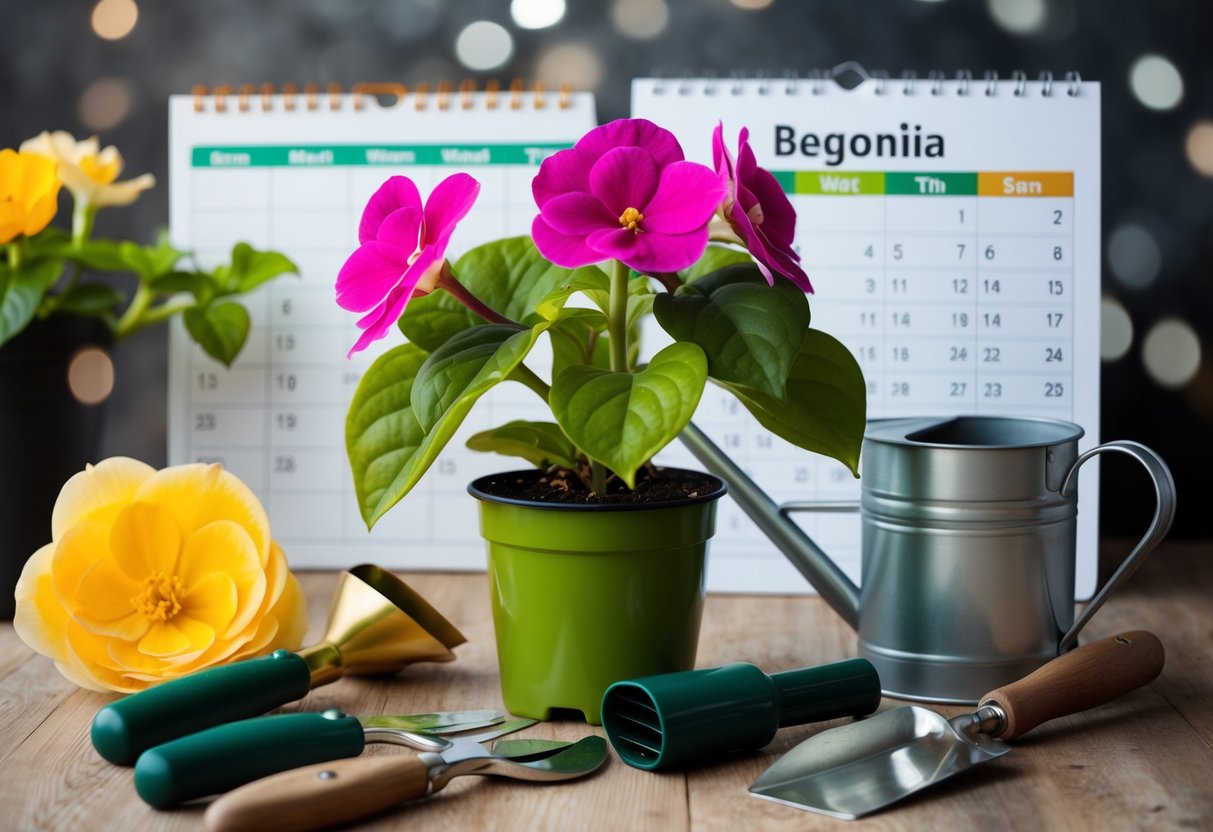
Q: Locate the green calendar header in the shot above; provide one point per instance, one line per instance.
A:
(876, 183)
(346, 155)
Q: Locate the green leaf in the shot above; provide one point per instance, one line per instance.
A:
(90, 299)
(251, 267)
(509, 275)
(590, 280)
(826, 405)
(102, 255)
(465, 367)
(21, 292)
(715, 258)
(221, 329)
(49, 242)
(150, 262)
(623, 419)
(199, 284)
(540, 443)
(751, 332)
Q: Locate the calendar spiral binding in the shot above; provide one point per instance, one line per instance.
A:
(909, 83)
(443, 96)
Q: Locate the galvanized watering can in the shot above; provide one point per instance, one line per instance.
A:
(969, 532)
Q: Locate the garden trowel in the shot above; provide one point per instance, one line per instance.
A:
(377, 624)
(856, 769)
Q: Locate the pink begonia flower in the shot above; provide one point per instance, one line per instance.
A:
(401, 251)
(758, 210)
(624, 191)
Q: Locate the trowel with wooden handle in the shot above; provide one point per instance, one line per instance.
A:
(856, 769)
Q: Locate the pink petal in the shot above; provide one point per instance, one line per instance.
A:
(376, 325)
(687, 196)
(368, 275)
(632, 132)
(563, 250)
(401, 230)
(397, 192)
(779, 218)
(781, 261)
(577, 214)
(649, 251)
(721, 160)
(561, 173)
(625, 177)
(449, 202)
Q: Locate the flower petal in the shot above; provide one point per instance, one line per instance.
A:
(625, 177)
(80, 547)
(380, 320)
(145, 538)
(562, 173)
(40, 619)
(396, 193)
(779, 217)
(651, 252)
(214, 600)
(199, 494)
(578, 214)
(686, 198)
(105, 593)
(447, 204)
(122, 193)
(171, 638)
(130, 627)
(633, 132)
(291, 615)
(372, 271)
(563, 250)
(224, 547)
(103, 488)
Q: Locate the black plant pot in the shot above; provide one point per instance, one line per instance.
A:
(46, 435)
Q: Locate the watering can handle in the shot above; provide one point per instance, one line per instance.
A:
(1164, 513)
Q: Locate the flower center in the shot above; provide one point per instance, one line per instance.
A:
(160, 599)
(100, 172)
(630, 219)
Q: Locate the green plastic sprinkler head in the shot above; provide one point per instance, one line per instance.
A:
(676, 719)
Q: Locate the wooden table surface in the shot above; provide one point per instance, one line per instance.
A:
(1143, 762)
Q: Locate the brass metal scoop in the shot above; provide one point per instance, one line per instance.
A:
(377, 625)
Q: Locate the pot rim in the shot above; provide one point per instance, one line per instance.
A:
(477, 490)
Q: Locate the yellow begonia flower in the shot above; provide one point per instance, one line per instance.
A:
(150, 575)
(29, 194)
(87, 171)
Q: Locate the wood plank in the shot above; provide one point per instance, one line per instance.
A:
(13, 651)
(28, 696)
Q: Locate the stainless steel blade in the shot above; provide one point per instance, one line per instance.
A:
(853, 770)
(441, 722)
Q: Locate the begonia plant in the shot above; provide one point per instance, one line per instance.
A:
(631, 226)
(46, 271)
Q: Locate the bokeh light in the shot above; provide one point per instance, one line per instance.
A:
(752, 5)
(1019, 17)
(105, 103)
(1156, 82)
(640, 19)
(484, 45)
(1171, 352)
(1199, 147)
(1134, 256)
(90, 375)
(1116, 330)
(576, 64)
(114, 19)
(537, 14)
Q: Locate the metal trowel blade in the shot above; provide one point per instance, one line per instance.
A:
(856, 769)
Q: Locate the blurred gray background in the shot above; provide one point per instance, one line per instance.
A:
(108, 68)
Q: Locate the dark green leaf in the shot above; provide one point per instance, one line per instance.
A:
(90, 299)
(715, 258)
(751, 332)
(539, 443)
(102, 255)
(826, 405)
(623, 419)
(21, 292)
(221, 329)
(464, 368)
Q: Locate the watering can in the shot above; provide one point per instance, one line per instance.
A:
(969, 540)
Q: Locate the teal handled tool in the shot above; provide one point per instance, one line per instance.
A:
(678, 719)
(377, 624)
(226, 756)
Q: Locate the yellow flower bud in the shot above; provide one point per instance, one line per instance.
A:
(29, 194)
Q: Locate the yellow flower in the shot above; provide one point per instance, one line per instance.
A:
(152, 574)
(87, 171)
(29, 194)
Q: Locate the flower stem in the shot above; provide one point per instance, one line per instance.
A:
(16, 254)
(525, 375)
(668, 280)
(448, 281)
(598, 478)
(132, 318)
(617, 318)
(82, 221)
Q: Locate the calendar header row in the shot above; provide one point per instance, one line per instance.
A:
(870, 183)
(314, 156)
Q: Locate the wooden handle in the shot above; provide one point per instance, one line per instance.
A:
(320, 796)
(1083, 678)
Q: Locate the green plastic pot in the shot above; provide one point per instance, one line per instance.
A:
(586, 595)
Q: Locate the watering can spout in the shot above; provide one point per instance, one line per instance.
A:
(815, 565)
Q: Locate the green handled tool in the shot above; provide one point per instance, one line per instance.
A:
(675, 719)
(221, 758)
(377, 624)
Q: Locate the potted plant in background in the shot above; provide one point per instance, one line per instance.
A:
(57, 320)
(595, 556)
